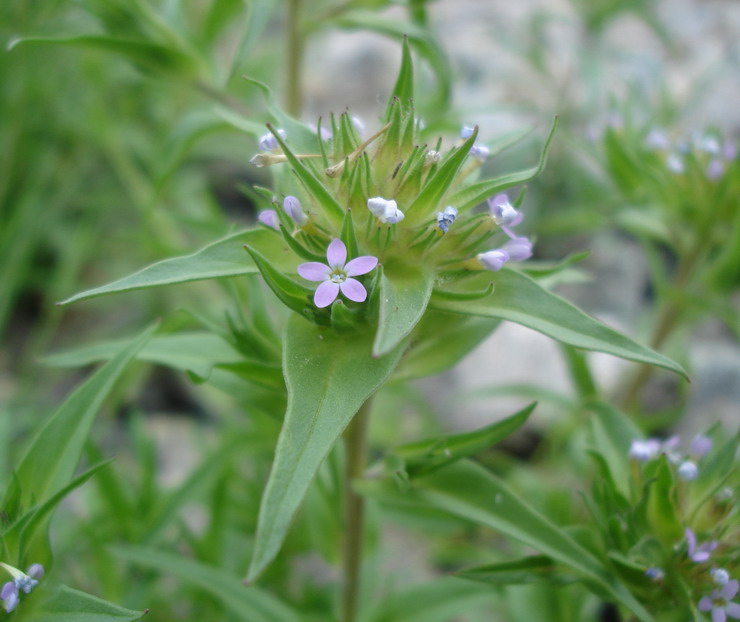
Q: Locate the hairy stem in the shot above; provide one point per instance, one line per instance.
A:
(294, 53)
(355, 444)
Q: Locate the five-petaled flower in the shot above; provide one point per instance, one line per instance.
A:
(336, 276)
(719, 602)
(22, 582)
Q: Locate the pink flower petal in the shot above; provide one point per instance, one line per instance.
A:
(326, 293)
(733, 610)
(361, 265)
(718, 614)
(336, 254)
(729, 591)
(314, 271)
(354, 290)
(499, 199)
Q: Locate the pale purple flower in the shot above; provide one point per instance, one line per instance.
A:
(270, 218)
(720, 575)
(657, 139)
(654, 573)
(336, 276)
(359, 125)
(22, 582)
(503, 212)
(9, 596)
(642, 451)
(707, 143)
(715, 168)
(385, 210)
(688, 471)
(518, 249)
(703, 552)
(719, 602)
(729, 151)
(480, 152)
(701, 446)
(674, 163)
(294, 209)
(494, 260)
(466, 132)
(268, 142)
(446, 218)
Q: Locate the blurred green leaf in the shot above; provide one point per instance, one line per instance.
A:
(520, 299)
(404, 294)
(68, 605)
(248, 603)
(329, 378)
(218, 260)
(530, 569)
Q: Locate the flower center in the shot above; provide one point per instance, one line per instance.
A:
(338, 276)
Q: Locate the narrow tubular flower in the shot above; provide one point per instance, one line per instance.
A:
(494, 260)
(385, 210)
(22, 582)
(719, 602)
(268, 142)
(446, 218)
(294, 209)
(336, 276)
(270, 218)
(503, 212)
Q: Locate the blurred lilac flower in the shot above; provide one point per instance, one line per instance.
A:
(707, 143)
(480, 152)
(657, 139)
(519, 249)
(494, 260)
(701, 554)
(720, 576)
(715, 168)
(359, 125)
(701, 446)
(654, 573)
(268, 142)
(385, 210)
(270, 218)
(466, 132)
(719, 603)
(688, 471)
(9, 596)
(294, 209)
(729, 151)
(642, 451)
(446, 218)
(674, 163)
(336, 276)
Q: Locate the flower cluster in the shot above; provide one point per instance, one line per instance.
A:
(714, 151)
(687, 468)
(517, 248)
(23, 582)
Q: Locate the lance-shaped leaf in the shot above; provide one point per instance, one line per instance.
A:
(290, 293)
(218, 260)
(65, 605)
(328, 378)
(530, 569)
(520, 299)
(52, 458)
(404, 294)
(404, 87)
(432, 454)
(477, 193)
(250, 604)
(468, 490)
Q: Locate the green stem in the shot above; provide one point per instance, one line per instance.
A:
(355, 444)
(294, 52)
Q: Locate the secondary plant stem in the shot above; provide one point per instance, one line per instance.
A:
(355, 444)
(294, 53)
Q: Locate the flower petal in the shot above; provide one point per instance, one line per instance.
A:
(690, 541)
(336, 253)
(326, 293)
(705, 604)
(361, 265)
(733, 610)
(729, 591)
(11, 602)
(718, 614)
(314, 271)
(36, 571)
(270, 218)
(8, 589)
(354, 290)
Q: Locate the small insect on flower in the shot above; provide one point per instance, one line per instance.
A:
(336, 276)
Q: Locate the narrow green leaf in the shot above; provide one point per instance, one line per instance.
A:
(404, 294)
(290, 293)
(328, 378)
(477, 193)
(429, 455)
(218, 260)
(530, 569)
(52, 458)
(248, 603)
(404, 87)
(662, 510)
(68, 605)
(195, 352)
(466, 489)
(520, 299)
